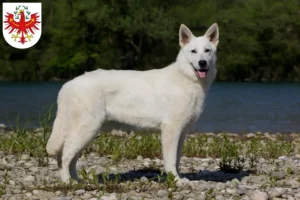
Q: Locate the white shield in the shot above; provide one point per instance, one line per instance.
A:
(22, 24)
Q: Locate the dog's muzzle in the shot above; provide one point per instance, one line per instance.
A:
(202, 72)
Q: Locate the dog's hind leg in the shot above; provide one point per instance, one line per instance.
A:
(76, 141)
(72, 167)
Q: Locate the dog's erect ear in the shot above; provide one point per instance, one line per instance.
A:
(185, 35)
(213, 34)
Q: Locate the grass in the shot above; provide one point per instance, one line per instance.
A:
(2, 190)
(28, 141)
(233, 154)
(149, 146)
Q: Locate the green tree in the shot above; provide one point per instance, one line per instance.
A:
(259, 39)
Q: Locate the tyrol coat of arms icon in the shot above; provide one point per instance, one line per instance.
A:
(22, 24)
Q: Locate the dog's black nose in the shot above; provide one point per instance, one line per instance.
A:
(202, 63)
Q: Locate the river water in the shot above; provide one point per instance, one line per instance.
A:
(230, 107)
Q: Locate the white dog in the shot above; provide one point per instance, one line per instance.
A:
(170, 99)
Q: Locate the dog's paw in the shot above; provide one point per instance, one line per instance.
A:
(180, 182)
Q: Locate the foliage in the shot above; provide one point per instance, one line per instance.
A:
(259, 41)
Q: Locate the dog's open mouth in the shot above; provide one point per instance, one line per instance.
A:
(201, 73)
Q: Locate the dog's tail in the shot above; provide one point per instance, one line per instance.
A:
(61, 125)
(57, 137)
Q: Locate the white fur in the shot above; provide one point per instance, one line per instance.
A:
(170, 99)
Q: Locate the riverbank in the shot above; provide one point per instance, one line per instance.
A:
(121, 165)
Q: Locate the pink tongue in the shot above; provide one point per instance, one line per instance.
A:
(201, 74)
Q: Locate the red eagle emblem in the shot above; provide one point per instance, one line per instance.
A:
(23, 27)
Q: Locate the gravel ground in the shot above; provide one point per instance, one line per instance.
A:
(21, 177)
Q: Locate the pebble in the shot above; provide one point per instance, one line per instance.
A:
(202, 197)
(162, 193)
(240, 190)
(25, 157)
(293, 183)
(245, 198)
(79, 192)
(205, 164)
(231, 191)
(34, 169)
(29, 178)
(36, 192)
(98, 169)
(183, 183)
(250, 135)
(16, 191)
(62, 198)
(87, 196)
(5, 165)
(178, 197)
(257, 179)
(113, 169)
(11, 182)
(220, 186)
(219, 197)
(145, 179)
(118, 133)
(185, 159)
(28, 194)
(285, 158)
(297, 196)
(244, 185)
(140, 158)
(28, 165)
(146, 164)
(110, 197)
(203, 187)
(259, 195)
(277, 192)
(279, 175)
(194, 184)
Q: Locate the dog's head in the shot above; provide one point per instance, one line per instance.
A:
(199, 52)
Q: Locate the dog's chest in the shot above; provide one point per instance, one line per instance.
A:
(196, 103)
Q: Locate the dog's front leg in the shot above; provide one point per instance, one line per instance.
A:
(179, 149)
(171, 145)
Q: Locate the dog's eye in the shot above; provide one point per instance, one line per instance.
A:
(194, 51)
(207, 50)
